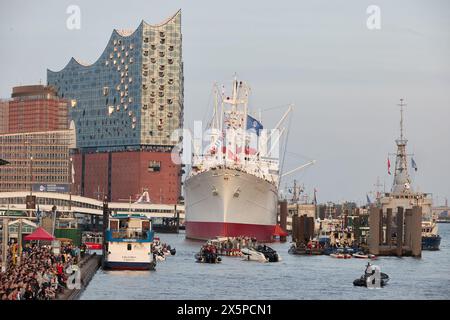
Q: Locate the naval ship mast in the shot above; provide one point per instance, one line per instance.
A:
(402, 181)
(402, 193)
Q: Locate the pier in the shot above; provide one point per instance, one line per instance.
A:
(88, 267)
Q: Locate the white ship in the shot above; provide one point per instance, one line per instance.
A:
(232, 189)
(129, 243)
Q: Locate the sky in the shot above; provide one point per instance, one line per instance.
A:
(344, 79)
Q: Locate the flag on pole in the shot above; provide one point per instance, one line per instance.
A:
(389, 166)
(413, 164)
(253, 124)
(368, 199)
(315, 197)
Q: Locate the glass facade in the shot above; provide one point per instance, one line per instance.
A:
(37, 157)
(132, 96)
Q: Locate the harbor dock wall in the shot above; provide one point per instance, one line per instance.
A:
(88, 267)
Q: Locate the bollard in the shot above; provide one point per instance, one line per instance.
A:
(301, 229)
(389, 227)
(283, 217)
(381, 237)
(408, 228)
(399, 231)
(416, 234)
(374, 232)
(294, 228)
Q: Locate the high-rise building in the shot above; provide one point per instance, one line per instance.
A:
(126, 106)
(36, 140)
(36, 108)
(4, 116)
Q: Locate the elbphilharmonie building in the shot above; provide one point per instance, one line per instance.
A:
(125, 107)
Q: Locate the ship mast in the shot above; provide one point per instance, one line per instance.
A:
(402, 181)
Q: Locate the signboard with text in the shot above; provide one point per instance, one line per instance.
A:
(61, 188)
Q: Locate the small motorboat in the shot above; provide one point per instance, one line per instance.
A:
(269, 253)
(362, 255)
(207, 254)
(363, 280)
(341, 255)
(253, 255)
(297, 250)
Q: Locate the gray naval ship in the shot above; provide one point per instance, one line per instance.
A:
(403, 195)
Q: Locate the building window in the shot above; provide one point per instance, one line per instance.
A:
(154, 166)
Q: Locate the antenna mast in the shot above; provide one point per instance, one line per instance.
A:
(401, 104)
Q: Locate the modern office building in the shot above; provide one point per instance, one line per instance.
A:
(37, 161)
(4, 116)
(35, 108)
(126, 106)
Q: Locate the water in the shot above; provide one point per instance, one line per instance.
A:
(296, 277)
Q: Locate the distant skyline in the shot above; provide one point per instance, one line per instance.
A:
(344, 79)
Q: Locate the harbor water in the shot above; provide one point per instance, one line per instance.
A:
(296, 277)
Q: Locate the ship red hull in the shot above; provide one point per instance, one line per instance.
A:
(209, 230)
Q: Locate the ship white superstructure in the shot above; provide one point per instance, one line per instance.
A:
(232, 189)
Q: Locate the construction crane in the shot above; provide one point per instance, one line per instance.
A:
(299, 168)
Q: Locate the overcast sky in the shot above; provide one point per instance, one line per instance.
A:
(344, 79)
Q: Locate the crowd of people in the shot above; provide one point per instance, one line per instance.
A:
(37, 273)
(233, 245)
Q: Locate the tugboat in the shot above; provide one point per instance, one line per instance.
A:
(431, 240)
(362, 281)
(208, 254)
(129, 243)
